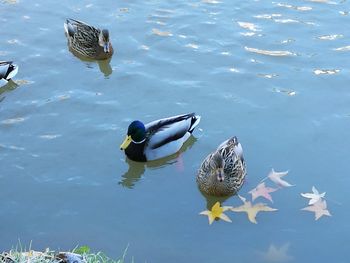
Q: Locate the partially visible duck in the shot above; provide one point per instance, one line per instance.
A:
(7, 71)
(223, 171)
(158, 139)
(88, 41)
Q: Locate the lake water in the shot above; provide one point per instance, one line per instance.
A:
(64, 182)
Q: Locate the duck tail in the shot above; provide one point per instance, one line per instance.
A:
(8, 70)
(12, 71)
(194, 122)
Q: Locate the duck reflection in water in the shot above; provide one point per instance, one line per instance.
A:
(11, 85)
(211, 200)
(104, 65)
(137, 169)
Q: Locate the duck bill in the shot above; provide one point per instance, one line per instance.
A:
(106, 47)
(125, 143)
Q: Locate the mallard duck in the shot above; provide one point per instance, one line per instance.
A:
(159, 138)
(7, 71)
(223, 171)
(88, 41)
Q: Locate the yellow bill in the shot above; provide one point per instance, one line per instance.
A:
(126, 142)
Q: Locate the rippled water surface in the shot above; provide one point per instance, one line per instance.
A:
(276, 74)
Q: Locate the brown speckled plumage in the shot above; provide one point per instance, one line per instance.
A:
(83, 40)
(234, 168)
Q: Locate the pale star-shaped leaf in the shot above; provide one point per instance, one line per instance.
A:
(275, 254)
(276, 177)
(314, 196)
(319, 208)
(262, 190)
(251, 210)
(216, 211)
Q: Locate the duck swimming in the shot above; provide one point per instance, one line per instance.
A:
(7, 71)
(159, 138)
(223, 171)
(88, 41)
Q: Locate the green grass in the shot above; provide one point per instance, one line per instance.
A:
(23, 255)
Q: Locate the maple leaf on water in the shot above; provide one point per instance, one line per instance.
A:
(319, 208)
(252, 210)
(314, 196)
(262, 190)
(216, 211)
(276, 177)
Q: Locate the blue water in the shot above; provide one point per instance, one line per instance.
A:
(64, 182)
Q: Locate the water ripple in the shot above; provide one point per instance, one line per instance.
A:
(50, 136)
(267, 16)
(330, 37)
(298, 8)
(326, 71)
(249, 26)
(274, 53)
(346, 48)
(13, 121)
(157, 32)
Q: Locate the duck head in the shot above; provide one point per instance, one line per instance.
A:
(103, 40)
(136, 134)
(217, 165)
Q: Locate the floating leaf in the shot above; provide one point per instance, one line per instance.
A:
(263, 191)
(276, 178)
(319, 208)
(216, 212)
(314, 197)
(252, 210)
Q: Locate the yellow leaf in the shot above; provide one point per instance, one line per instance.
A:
(216, 212)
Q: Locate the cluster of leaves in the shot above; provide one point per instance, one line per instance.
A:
(248, 207)
(317, 204)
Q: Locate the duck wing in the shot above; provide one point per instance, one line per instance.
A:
(83, 35)
(231, 145)
(235, 167)
(163, 131)
(74, 26)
